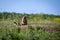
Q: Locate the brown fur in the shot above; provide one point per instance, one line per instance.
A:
(24, 20)
(15, 23)
(18, 24)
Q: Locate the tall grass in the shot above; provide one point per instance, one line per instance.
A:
(9, 32)
(30, 34)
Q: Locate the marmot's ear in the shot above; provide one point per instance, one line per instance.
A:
(15, 23)
(24, 20)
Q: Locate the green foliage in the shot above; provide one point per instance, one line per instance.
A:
(14, 15)
(30, 34)
(9, 32)
(31, 18)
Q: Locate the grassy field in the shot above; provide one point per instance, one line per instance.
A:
(9, 31)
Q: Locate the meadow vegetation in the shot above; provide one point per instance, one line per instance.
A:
(8, 31)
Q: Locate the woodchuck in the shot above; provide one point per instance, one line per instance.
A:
(24, 20)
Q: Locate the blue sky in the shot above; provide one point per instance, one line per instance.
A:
(31, 6)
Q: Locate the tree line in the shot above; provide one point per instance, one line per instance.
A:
(13, 15)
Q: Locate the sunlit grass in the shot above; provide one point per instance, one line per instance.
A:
(9, 31)
(30, 34)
